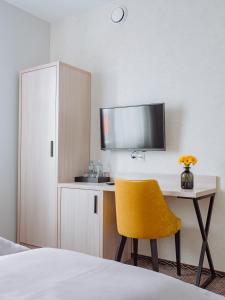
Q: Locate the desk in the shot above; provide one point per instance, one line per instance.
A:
(205, 187)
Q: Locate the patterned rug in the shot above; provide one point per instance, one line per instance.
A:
(188, 273)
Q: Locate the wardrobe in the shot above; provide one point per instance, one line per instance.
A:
(54, 137)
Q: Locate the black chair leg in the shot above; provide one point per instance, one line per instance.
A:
(135, 247)
(155, 260)
(121, 248)
(177, 246)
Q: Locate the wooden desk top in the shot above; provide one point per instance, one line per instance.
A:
(170, 186)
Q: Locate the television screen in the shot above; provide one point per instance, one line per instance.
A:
(139, 127)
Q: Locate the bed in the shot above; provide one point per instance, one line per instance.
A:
(48, 274)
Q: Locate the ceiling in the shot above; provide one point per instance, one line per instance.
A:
(54, 10)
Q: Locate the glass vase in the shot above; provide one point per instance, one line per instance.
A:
(187, 179)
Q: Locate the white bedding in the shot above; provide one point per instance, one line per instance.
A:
(8, 247)
(48, 274)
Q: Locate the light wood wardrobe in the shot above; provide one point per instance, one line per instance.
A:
(54, 137)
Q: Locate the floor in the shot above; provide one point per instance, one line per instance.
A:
(188, 274)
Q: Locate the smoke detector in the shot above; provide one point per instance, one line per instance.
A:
(118, 14)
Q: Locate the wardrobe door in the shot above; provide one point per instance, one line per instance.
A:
(37, 177)
(80, 220)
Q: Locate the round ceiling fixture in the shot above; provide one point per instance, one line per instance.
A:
(118, 14)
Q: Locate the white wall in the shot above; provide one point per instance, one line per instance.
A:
(171, 51)
(24, 42)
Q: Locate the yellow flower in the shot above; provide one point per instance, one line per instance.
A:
(181, 160)
(192, 159)
(187, 160)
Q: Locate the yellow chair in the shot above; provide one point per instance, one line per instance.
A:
(142, 213)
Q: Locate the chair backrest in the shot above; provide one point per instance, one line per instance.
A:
(141, 210)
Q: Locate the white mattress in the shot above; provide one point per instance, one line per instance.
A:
(48, 274)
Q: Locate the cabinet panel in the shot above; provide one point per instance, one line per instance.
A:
(74, 122)
(80, 220)
(38, 180)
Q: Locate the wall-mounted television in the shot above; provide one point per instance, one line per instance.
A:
(140, 127)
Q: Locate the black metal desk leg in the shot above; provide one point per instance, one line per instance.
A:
(205, 246)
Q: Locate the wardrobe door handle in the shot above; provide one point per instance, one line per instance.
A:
(51, 149)
(95, 204)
